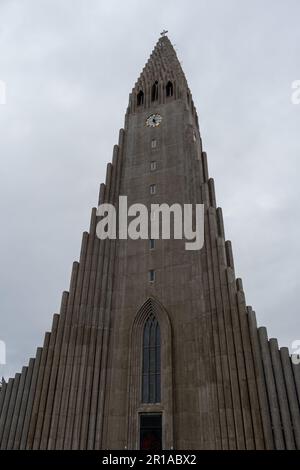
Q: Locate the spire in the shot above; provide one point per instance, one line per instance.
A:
(162, 79)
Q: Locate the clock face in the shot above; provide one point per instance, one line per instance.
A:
(154, 120)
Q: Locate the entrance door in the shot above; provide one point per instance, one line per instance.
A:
(151, 431)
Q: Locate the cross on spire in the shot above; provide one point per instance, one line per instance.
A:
(164, 32)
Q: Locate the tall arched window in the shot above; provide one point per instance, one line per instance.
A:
(151, 362)
(154, 92)
(169, 89)
(140, 98)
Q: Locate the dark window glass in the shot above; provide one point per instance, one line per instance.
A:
(151, 362)
(154, 91)
(151, 431)
(140, 98)
(169, 89)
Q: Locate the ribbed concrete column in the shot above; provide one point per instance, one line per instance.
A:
(221, 427)
(17, 408)
(67, 356)
(224, 398)
(2, 396)
(240, 399)
(230, 423)
(281, 394)
(70, 353)
(84, 387)
(89, 426)
(260, 380)
(271, 388)
(10, 411)
(293, 401)
(38, 390)
(255, 433)
(45, 384)
(87, 417)
(296, 371)
(5, 406)
(81, 345)
(205, 166)
(105, 303)
(31, 395)
(52, 387)
(25, 396)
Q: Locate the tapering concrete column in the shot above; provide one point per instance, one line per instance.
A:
(16, 413)
(10, 412)
(2, 395)
(31, 395)
(291, 393)
(5, 406)
(271, 388)
(38, 390)
(260, 379)
(45, 384)
(281, 394)
(25, 396)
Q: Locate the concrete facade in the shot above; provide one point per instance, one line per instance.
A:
(224, 385)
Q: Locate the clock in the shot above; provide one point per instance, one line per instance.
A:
(154, 120)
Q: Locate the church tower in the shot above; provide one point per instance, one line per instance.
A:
(154, 346)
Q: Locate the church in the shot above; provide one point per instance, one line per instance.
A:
(154, 346)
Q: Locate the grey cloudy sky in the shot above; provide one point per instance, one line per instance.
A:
(69, 67)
